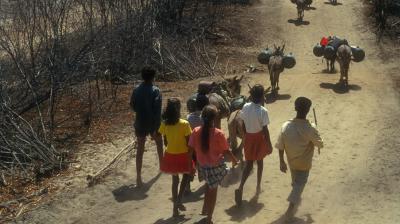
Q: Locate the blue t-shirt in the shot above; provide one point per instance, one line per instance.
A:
(146, 101)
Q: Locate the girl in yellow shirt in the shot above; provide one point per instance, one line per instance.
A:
(176, 159)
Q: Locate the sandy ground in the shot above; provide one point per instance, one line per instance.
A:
(355, 179)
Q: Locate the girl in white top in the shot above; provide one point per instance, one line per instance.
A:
(257, 142)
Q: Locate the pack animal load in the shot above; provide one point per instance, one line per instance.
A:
(289, 60)
(328, 49)
(358, 53)
(264, 56)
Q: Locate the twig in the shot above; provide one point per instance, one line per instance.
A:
(93, 179)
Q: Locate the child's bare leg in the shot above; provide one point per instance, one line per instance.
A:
(159, 143)
(184, 183)
(175, 183)
(246, 173)
(139, 159)
(260, 167)
(205, 203)
(212, 195)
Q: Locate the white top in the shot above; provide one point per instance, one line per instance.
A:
(255, 117)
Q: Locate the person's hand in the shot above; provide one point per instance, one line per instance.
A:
(283, 167)
(234, 162)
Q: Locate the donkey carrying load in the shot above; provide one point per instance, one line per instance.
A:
(224, 95)
(301, 5)
(333, 48)
(277, 61)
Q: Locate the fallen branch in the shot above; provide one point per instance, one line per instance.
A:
(92, 180)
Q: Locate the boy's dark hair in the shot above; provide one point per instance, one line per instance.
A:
(302, 105)
(148, 74)
(257, 93)
(208, 115)
(201, 101)
(172, 112)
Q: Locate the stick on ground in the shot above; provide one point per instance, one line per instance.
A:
(92, 180)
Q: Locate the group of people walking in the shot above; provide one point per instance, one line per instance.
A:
(196, 143)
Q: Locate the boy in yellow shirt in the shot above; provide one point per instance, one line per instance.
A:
(298, 138)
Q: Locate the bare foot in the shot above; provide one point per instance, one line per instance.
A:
(258, 190)
(139, 183)
(175, 213)
(181, 207)
(238, 197)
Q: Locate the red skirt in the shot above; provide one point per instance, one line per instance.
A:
(255, 146)
(176, 164)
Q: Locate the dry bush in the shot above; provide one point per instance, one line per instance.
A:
(54, 50)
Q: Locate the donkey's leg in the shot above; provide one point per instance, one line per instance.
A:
(271, 78)
(277, 81)
(327, 65)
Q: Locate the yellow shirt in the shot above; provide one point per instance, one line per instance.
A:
(176, 136)
(298, 138)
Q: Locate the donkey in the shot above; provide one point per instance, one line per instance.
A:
(222, 93)
(275, 67)
(301, 5)
(330, 64)
(344, 57)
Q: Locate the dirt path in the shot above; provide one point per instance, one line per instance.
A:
(354, 180)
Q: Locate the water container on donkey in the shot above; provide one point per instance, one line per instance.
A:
(329, 52)
(237, 103)
(318, 50)
(358, 53)
(289, 61)
(264, 56)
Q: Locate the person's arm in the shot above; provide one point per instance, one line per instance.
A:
(157, 104)
(165, 140)
(315, 138)
(132, 101)
(281, 149)
(230, 157)
(190, 150)
(267, 136)
(283, 166)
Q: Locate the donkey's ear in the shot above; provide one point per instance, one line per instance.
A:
(241, 77)
(235, 78)
(283, 47)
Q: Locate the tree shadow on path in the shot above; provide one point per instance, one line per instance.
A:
(246, 210)
(339, 88)
(132, 192)
(295, 220)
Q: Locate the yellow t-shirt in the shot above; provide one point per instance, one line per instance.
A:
(176, 136)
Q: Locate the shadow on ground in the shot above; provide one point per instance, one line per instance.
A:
(339, 88)
(271, 98)
(172, 220)
(194, 196)
(299, 22)
(330, 3)
(295, 220)
(233, 177)
(246, 210)
(132, 192)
